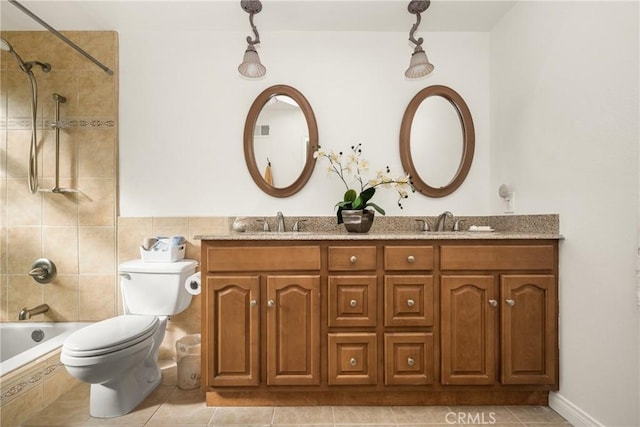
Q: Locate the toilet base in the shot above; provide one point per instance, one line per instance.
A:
(117, 398)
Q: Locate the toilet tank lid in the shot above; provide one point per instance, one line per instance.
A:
(138, 266)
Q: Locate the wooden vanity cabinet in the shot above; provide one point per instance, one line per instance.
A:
(384, 321)
(259, 318)
(503, 321)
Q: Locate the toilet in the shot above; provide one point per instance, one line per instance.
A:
(119, 356)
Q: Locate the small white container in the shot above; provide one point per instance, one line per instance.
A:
(169, 254)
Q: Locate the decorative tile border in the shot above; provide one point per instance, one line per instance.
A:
(24, 123)
(29, 377)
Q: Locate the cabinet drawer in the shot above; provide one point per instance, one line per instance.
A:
(352, 301)
(352, 258)
(408, 257)
(257, 258)
(504, 257)
(352, 359)
(408, 300)
(408, 358)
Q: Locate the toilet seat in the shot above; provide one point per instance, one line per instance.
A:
(110, 335)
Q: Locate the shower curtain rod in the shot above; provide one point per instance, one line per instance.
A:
(61, 37)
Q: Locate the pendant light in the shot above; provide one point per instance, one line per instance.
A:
(251, 66)
(419, 66)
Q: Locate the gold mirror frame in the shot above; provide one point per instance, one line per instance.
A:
(250, 124)
(468, 140)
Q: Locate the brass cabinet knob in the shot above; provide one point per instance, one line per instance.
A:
(493, 303)
(253, 303)
(411, 259)
(271, 303)
(410, 361)
(353, 303)
(411, 302)
(353, 259)
(353, 361)
(510, 302)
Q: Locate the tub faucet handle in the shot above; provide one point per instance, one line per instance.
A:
(43, 271)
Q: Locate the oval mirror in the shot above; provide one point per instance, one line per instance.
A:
(280, 134)
(437, 141)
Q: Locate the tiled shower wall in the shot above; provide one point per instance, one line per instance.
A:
(77, 231)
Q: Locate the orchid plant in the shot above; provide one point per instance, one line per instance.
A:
(350, 167)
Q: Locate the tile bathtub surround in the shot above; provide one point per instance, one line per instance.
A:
(32, 388)
(77, 231)
(169, 405)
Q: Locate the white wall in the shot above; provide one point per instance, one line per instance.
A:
(183, 107)
(564, 135)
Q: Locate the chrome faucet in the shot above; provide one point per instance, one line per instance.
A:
(281, 226)
(441, 220)
(26, 313)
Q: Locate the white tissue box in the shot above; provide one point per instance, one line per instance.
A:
(170, 254)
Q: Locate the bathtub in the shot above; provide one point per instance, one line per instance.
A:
(23, 342)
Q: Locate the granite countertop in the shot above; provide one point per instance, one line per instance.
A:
(508, 227)
(448, 235)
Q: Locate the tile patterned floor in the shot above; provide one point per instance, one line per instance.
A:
(171, 406)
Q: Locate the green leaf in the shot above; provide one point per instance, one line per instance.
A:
(358, 203)
(376, 207)
(367, 194)
(350, 195)
(339, 215)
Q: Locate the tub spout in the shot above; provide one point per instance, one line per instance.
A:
(26, 313)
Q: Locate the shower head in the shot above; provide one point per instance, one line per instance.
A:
(24, 66)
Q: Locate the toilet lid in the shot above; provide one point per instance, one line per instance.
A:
(110, 335)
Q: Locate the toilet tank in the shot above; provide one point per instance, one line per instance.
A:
(155, 288)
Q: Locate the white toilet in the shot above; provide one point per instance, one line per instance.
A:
(119, 356)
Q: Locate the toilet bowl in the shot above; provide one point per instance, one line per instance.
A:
(119, 356)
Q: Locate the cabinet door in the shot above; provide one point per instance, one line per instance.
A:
(408, 300)
(529, 329)
(234, 332)
(293, 330)
(469, 314)
(352, 301)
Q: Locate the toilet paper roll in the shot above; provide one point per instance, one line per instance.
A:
(193, 284)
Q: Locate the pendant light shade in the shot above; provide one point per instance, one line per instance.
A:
(251, 66)
(419, 66)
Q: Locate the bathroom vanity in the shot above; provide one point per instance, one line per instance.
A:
(380, 318)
